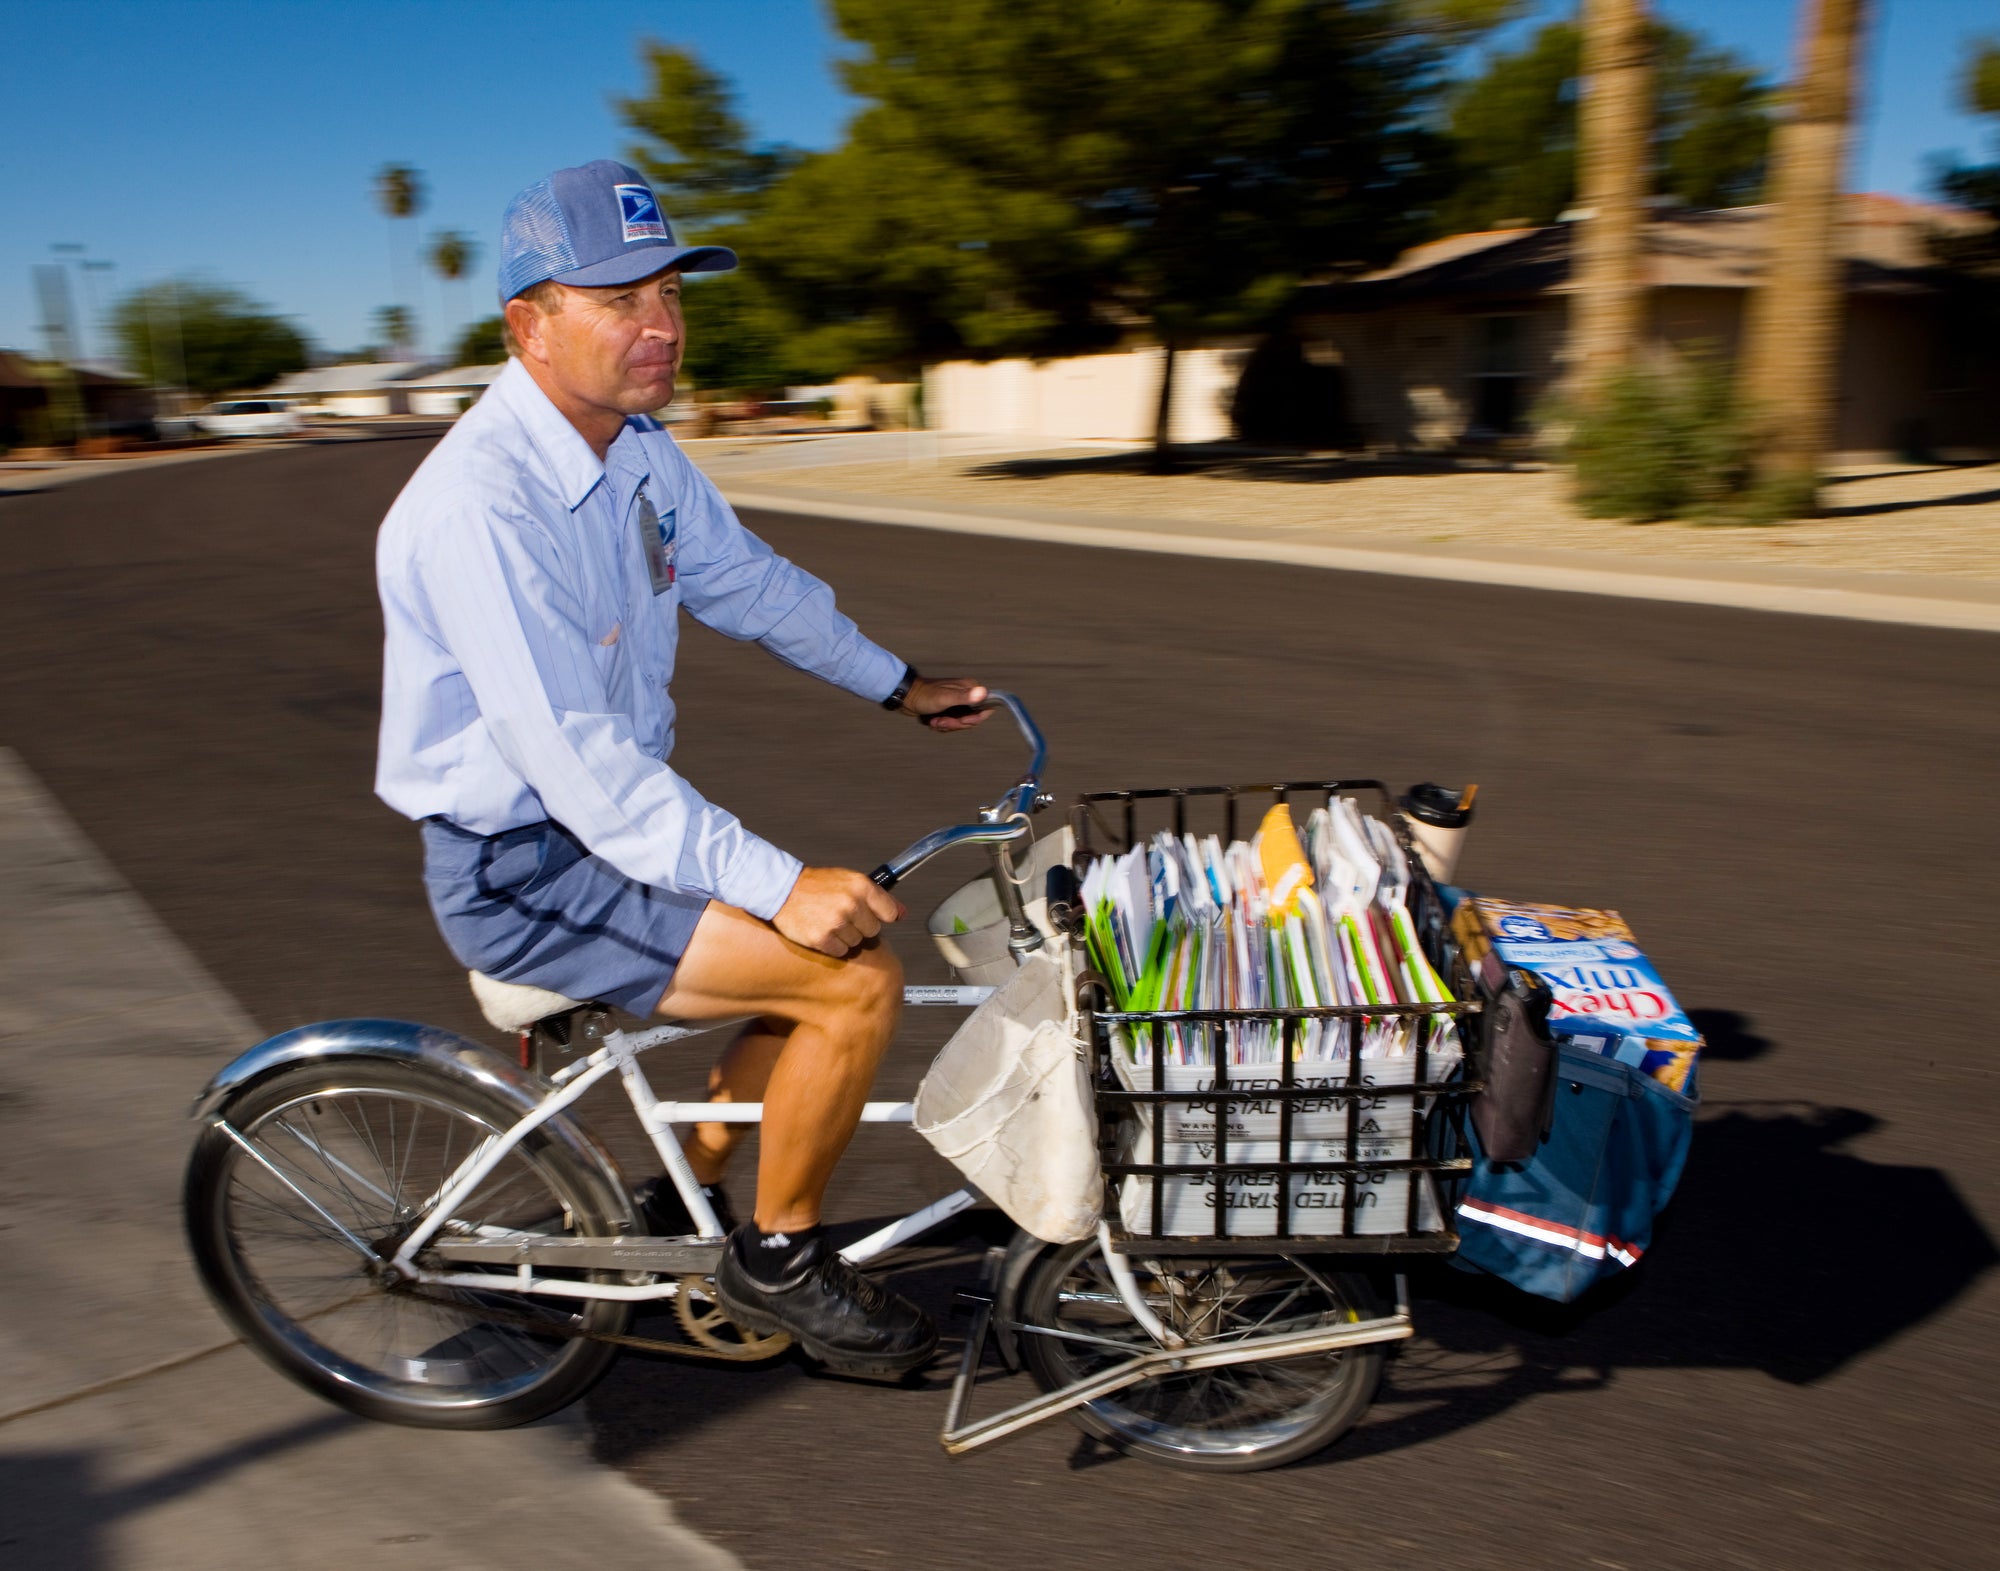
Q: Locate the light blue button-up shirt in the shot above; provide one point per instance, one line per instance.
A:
(527, 654)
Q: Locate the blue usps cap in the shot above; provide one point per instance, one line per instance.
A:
(596, 224)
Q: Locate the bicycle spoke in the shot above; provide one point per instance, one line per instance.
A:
(331, 1176)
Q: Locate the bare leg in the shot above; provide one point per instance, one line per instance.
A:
(740, 1075)
(842, 1015)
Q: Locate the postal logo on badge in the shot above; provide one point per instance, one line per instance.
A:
(640, 210)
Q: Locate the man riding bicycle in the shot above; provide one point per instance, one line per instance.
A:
(531, 575)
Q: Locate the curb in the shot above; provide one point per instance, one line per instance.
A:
(1966, 614)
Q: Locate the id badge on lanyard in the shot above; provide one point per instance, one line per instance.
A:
(657, 542)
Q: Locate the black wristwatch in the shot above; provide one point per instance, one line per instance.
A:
(894, 702)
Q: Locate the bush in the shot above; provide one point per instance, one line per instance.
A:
(1659, 444)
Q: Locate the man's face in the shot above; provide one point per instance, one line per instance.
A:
(619, 347)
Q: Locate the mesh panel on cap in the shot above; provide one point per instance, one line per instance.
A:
(534, 240)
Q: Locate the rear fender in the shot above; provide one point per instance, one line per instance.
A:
(454, 1059)
(1023, 1250)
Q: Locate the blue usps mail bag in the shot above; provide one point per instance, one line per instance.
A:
(1582, 1207)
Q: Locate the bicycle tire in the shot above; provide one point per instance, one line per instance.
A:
(1202, 1420)
(228, 1198)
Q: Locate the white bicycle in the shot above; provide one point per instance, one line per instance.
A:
(421, 1231)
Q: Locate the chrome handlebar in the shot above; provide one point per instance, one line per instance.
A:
(1000, 824)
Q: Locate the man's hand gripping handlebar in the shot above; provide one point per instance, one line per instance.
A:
(835, 910)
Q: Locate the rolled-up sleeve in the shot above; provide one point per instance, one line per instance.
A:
(495, 586)
(736, 584)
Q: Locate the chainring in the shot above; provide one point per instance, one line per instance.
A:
(701, 1316)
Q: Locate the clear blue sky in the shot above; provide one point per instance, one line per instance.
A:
(238, 139)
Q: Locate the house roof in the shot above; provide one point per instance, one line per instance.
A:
(367, 378)
(460, 376)
(1883, 239)
(19, 370)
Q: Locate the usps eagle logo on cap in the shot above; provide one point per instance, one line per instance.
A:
(640, 210)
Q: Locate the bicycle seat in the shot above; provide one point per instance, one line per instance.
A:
(511, 1006)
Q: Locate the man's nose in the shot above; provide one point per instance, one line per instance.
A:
(662, 322)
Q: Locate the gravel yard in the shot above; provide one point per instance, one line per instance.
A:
(1881, 517)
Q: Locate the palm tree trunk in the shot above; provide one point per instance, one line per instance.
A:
(1791, 361)
(1163, 446)
(1615, 159)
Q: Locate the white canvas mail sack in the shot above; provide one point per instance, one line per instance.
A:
(1007, 1102)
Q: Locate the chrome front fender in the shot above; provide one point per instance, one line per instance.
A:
(454, 1059)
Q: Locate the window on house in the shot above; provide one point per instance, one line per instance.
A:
(1499, 375)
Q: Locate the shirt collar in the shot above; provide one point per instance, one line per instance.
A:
(575, 467)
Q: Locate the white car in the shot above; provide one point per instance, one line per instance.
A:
(248, 417)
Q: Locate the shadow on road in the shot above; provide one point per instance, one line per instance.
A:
(1228, 461)
(61, 1512)
(1783, 1252)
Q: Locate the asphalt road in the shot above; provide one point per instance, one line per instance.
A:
(1795, 814)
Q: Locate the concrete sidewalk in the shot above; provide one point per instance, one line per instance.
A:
(1916, 599)
(135, 1435)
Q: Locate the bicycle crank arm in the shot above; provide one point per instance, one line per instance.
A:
(1160, 1361)
(667, 1256)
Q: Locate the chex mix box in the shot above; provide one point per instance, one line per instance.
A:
(1608, 996)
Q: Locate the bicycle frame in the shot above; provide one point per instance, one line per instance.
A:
(660, 1263)
(619, 1055)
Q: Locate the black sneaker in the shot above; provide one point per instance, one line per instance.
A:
(664, 1214)
(842, 1319)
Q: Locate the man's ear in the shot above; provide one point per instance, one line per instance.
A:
(524, 321)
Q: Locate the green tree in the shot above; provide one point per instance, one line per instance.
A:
(697, 150)
(227, 341)
(399, 192)
(451, 255)
(1970, 254)
(1036, 175)
(392, 322)
(1513, 129)
(734, 339)
(1975, 186)
(695, 147)
(482, 343)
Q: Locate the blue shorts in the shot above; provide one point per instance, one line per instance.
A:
(534, 906)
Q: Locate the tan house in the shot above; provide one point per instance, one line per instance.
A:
(1457, 342)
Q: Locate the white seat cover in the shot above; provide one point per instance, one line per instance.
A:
(510, 1006)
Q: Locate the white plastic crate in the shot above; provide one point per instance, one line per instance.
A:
(1319, 1134)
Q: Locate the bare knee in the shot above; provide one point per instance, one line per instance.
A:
(866, 987)
(875, 978)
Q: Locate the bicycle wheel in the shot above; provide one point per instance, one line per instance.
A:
(363, 1146)
(1238, 1418)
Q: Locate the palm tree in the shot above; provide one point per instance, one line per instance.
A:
(451, 256)
(1614, 129)
(393, 323)
(1789, 372)
(399, 192)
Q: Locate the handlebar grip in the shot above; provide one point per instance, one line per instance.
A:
(884, 876)
(956, 712)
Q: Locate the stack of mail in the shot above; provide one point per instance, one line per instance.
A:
(1271, 923)
(1180, 924)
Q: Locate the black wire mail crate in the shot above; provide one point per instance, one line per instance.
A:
(1310, 1177)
